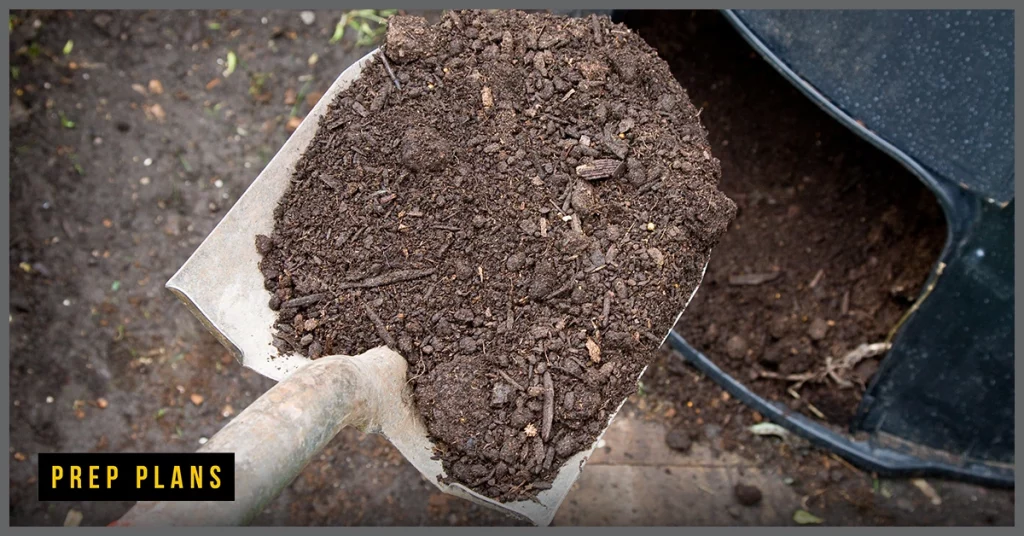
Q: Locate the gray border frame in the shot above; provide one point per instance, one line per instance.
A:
(5, 224)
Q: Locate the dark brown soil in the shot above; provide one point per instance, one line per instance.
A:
(523, 220)
(832, 242)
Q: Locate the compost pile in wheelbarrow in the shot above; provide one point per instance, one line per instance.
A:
(521, 204)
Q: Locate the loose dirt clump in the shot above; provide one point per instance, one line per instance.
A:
(521, 204)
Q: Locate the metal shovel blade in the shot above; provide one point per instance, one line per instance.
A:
(222, 285)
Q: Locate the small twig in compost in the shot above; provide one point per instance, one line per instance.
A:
(607, 308)
(384, 60)
(549, 407)
(510, 380)
(567, 372)
(387, 279)
(561, 290)
(382, 331)
(305, 300)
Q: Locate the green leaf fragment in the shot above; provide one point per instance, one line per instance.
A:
(65, 122)
(803, 517)
(232, 63)
(68, 47)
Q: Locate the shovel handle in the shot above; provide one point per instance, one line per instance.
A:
(277, 435)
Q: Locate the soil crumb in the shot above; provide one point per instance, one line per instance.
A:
(521, 205)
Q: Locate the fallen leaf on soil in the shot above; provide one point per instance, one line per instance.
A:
(486, 97)
(594, 350)
(196, 398)
(289, 96)
(293, 123)
(928, 490)
(20, 457)
(769, 429)
(231, 63)
(156, 111)
(803, 517)
(753, 279)
(139, 89)
(313, 58)
(73, 519)
(313, 97)
(156, 87)
(212, 84)
(25, 267)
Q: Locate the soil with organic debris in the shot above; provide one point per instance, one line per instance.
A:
(521, 204)
(832, 243)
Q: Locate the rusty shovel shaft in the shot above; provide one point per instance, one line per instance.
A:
(278, 434)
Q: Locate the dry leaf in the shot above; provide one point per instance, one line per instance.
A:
(212, 84)
(156, 87)
(313, 97)
(293, 123)
(289, 96)
(594, 350)
(156, 111)
(196, 398)
(73, 519)
(928, 490)
(485, 95)
(20, 457)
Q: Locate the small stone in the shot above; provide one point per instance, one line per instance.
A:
(779, 327)
(308, 17)
(679, 440)
(102, 403)
(467, 344)
(500, 394)
(736, 347)
(818, 329)
(747, 495)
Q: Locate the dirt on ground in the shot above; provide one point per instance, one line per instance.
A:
(127, 150)
(519, 204)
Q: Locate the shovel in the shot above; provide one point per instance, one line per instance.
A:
(279, 433)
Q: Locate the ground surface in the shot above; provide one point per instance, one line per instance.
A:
(103, 358)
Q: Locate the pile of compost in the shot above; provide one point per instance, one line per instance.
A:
(521, 205)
